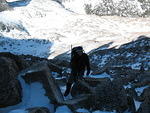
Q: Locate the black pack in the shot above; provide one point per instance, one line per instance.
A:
(75, 49)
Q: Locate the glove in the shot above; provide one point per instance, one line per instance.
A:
(88, 72)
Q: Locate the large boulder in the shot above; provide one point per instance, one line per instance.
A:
(41, 73)
(10, 89)
(29, 60)
(83, 86)
(111, 95)
(19, 62)
(106, 94)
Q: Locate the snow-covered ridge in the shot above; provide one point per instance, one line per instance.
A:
(127, 8)
(49, 20)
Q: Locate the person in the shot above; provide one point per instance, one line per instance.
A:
(79, 62)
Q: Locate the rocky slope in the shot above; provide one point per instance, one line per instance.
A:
(39, 40)
(128, 67)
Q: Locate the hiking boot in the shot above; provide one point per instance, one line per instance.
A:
(67, 89)
(66, 93)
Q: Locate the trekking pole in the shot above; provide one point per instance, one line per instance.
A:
(71, 50)
(70, 57)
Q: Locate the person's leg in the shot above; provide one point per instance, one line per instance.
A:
(69, 83)
(81, 74)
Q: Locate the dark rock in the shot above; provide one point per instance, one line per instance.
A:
(33, 60)
(145, 94)
(38, 110)
(16, 58)
(124, 57)
(131, 104)
(143, 79)
(132, 93)
(79, 88)
(111, 95)
(60, 62)
(145, 97)
(10, 88)
(107, 94)
(145, 106)
(4, 5)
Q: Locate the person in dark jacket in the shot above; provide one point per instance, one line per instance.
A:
(79, 63)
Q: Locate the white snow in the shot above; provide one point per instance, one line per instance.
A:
(137, 104)
(63, 109)
(37, 96)
(18, 111)
(140, 90)
(129, 54)
(104, 59)
(103, 75)
(98, 111)
(75, 5)
(82, 110)
(127, 86)
(62, 88)
(136, 65)
(61, 28)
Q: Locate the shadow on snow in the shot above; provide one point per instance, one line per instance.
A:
(19, 3)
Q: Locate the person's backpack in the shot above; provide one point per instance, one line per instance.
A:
(74, 50)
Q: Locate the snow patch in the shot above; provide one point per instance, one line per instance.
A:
(127, 86)
(18, 111)
(63, 88)
(63, 109)
(136, 65)
(103, 75)
(140, 90)
(98, 111)
(41, 48)
(137, 104)
(82, 110)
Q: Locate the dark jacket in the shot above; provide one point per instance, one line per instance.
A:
(79, 63)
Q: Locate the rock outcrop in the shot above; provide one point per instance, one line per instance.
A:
(132, 55)
(128, 67)
(107, 94)
(10, 89)
(4, 5)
